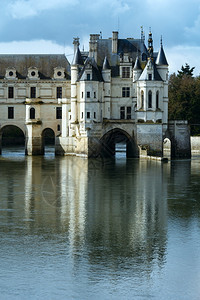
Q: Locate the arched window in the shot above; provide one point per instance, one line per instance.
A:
(150, 99)
(32, 113)
(142, 99)
(157, 99)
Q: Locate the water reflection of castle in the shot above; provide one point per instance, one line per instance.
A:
(116, 209)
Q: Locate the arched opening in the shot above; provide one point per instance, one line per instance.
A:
(167, 148)
(118, 143)
(150, 99)
(32, 113)
(12, 140)
(48, 140)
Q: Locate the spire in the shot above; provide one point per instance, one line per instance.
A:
(150, 44)
(106, 64)
(137, 65)
(77, 60)
(161, 58)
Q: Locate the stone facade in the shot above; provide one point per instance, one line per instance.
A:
(116, 92)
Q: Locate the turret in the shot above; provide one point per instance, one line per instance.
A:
(161, 63)
(137, 70)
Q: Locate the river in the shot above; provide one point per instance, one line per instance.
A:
(72, 228)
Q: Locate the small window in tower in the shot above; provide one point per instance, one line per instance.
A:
(82, 115)
(125, 72)
(122, 112)
(88, 94)
(58, 127)
(157, 99)
(94, 94)
(128, 112)
(150, 76)
(81, 94)
(88, 115)
(150, 99)
(142, 99)
(88, 76)
(94, 115)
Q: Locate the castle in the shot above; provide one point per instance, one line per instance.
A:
(117, 91)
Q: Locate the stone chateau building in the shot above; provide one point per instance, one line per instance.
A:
(117, 91)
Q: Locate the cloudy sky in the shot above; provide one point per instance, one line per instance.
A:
(48, 26)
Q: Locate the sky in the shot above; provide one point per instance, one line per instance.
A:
(48, 26)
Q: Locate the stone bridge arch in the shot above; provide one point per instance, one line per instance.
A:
(12, 134)
(117, 135)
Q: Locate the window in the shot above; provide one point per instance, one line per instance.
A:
(125, 72)
(88, 94)
(150, 99)
(59, 92)
(10, 92)
(157, 99)
(150, 76)
(94, 115)
(94, 94)
(126, 92)
(10, 112)
(122, 112)
(58, 127)
(82, 115)
(32, 113)
(81, 94)
(142, 99)
(88, 76)
(33, 92)
(128, 112)
(58, 112)
(88, 115)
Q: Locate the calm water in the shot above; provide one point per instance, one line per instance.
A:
(72, 228)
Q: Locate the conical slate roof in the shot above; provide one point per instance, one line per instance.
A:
(150, 65)
(77, 60)
(161, 58)
(137, 65)
(106, 65)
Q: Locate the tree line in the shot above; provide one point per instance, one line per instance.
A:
(184, 98)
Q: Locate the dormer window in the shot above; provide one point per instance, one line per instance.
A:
(59, 73)
(125, 72)
(88, 76)
(11, 73)
(33, 73)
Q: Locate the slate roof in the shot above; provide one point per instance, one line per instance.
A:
(137, 65)
(150, 64)
(106, 65)
(45, 64)
(161, 58)
(96, 72)
(77, 60)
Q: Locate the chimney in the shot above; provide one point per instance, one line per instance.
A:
(114, 41)
(93, 45)
(76, 43)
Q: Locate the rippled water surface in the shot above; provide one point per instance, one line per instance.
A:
(72, 228)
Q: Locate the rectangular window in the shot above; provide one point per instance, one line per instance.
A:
(88, 115)
(82, 95)
(33, 92)
(122, 112)
(150, 76)
(128, 112)
(125, 72)
(126, 92)
(94, 94)
(82, 115)
(59, 92)
(88, 76)
(10, 92)
(88, 94)
(94, 115)
(58, 112)
(10, 112)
